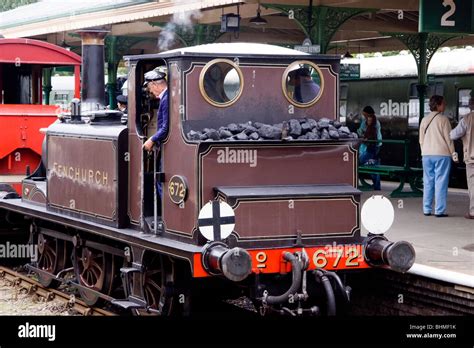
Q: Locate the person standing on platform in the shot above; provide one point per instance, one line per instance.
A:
(370, 151)
(465, 131)
(436, 150)
(366, 112)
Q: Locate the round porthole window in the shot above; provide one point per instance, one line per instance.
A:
(221, 82)
(303, 83)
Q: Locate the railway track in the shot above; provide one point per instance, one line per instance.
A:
(22, 282)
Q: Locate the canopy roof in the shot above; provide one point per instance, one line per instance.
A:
(51, 9)
(369, 29)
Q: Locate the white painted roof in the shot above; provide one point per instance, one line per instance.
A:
(238, 48)
(456, 61)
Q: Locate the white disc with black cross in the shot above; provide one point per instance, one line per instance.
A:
(216, 220)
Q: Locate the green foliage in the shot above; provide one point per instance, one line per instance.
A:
(6, 5)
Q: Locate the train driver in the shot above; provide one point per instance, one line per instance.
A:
(155, 82)
(305, 88)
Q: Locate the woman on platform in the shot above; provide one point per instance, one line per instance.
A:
(436, 149)
(368, 153)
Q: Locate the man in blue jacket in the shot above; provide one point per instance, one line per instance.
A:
(155, 81)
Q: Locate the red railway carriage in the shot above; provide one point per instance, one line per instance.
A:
(22, 113)
(257, 181)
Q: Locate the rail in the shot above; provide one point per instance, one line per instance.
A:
(33, 287)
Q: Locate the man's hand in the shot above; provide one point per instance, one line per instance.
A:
(148, 145)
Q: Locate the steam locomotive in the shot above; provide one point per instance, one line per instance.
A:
(252, 192)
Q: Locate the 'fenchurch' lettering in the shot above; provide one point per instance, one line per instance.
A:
(84, 175)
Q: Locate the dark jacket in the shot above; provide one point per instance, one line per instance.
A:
(163, 120)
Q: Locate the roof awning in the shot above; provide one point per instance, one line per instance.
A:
(70, 18)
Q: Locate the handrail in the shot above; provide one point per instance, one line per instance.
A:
(388, 141)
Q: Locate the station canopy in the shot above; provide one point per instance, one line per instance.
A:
(352, 26)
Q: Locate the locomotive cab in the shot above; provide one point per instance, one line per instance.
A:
(247, 121)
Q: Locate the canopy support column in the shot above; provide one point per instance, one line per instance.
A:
(115, 48)
(112, 65)
(47, 87)
(422, 46)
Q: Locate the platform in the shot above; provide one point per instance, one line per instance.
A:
(440, 243)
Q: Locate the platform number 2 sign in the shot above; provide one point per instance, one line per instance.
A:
(445, 21)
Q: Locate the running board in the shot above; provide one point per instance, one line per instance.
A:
(130, 303)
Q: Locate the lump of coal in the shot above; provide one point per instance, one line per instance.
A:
(323, 123)
(332, 128)
(334, 134)
(241, 136)
(257, 124)
(213, 134)
(325, 134)
(305, 127)
(312, 122)
(295, 128)
(337, 124)
(254, 136)
(224, 133)
(344, 130)
(250, 129)
(233, 128)
(269, 132)
(193, 135)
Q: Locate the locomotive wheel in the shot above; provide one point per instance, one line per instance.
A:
(158, 281)
(52, 258)
(94, 269)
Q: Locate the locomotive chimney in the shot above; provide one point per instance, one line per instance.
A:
(93, 87)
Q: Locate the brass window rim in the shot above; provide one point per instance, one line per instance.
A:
(283, 84)
(201, 82)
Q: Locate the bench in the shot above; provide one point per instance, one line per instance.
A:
(406, 174)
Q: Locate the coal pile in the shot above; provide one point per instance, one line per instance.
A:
(294, 129)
